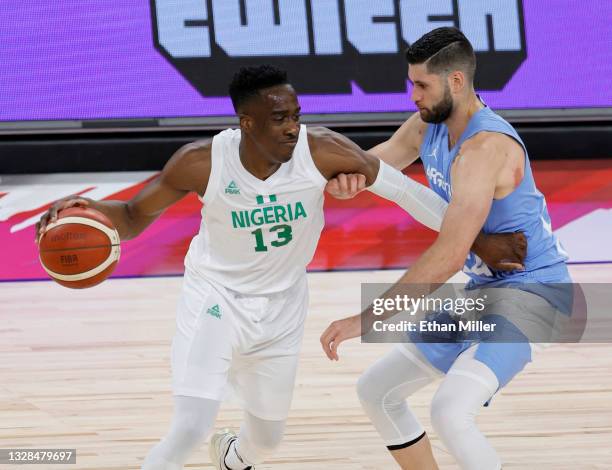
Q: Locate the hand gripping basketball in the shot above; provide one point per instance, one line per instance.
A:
(79, 246)
(57, 206)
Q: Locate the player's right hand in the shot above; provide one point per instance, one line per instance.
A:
(51, 215)
(337, 332)
(345, 186)
(502, 251)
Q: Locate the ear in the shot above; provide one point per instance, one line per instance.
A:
(456, 81)
(246, 122)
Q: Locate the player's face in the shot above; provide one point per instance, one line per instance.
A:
(431, 94)
(277, 122)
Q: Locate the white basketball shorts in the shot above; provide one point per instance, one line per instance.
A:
(248, 342)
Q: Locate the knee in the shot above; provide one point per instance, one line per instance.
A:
(370, 392)
(257, 443)
(448, 418)
(192, 431)
(258, 451)
(193, 420)
(266, 444)
(373, 396)
(367, 393)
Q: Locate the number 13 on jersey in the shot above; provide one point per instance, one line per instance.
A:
(282, 235)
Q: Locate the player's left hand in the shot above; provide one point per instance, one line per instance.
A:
(346, 186)
(338, 331)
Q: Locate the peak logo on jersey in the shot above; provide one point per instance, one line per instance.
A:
(215, 311)
(360, 41)
(232, 188)
(268, 215)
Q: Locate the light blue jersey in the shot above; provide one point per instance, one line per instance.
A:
(522, 210)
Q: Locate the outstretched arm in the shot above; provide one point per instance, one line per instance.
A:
(500, 251)
(188, 170)
(333, 154)
(475, 175)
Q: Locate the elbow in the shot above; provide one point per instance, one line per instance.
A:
(125, 236)
(371, 167)
(453, 259)
(452, 252)
(456, 264)
(457, 258)
(126, 229)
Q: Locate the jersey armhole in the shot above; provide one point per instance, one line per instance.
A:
(311, 168)
(516, 138)
(526, 165)
(216, 164)
(425, 141)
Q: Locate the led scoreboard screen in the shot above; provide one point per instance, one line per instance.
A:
(171, 60)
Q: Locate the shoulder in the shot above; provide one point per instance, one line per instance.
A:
(191, 155)
(322, 139)
(492, 146)
(189, 167)
(319, 134)
(489, 149)
(414, 128)
(488, 141)
(409, 137)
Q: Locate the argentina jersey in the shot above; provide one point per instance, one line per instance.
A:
(522, 210)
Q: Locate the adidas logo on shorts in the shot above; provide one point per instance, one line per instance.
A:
(215, 311)
(232, 188)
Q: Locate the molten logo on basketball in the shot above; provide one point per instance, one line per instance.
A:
(63, 237)
(360, 41)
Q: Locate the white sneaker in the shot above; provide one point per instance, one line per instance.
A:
(218, 447)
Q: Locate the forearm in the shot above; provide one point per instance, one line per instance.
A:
(119, 214)
(418, 200)
(435, 266)
(431, 270)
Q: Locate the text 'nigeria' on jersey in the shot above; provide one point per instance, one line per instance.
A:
(272, 214)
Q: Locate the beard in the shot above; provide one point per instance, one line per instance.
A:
(441, 111)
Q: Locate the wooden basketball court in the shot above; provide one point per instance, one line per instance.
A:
(90, 370)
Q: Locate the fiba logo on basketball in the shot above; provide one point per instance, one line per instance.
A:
(361, 42)
(68, 260)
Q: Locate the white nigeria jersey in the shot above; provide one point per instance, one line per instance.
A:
(256, 237)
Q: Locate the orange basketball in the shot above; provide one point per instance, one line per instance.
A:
(80, 249)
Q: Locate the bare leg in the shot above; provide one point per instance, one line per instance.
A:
(416, 457)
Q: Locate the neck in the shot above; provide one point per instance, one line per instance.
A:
(461, 115)
(255, 159)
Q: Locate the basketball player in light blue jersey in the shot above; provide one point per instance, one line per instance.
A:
(477, 162)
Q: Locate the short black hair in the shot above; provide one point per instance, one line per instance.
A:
(247, 82)
(443, 50)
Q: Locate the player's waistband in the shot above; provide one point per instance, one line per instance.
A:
(238, 293)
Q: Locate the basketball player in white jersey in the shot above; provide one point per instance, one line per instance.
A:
(241, 313)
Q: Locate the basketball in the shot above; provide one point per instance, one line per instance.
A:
(80, 249)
